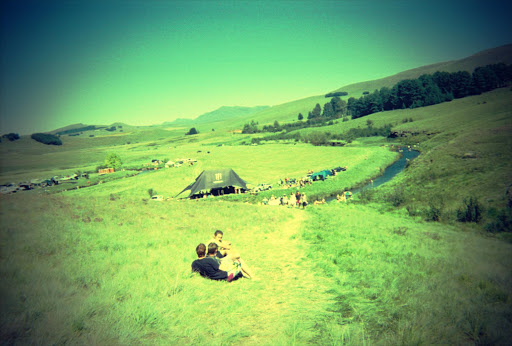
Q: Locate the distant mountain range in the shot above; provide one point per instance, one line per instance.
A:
(222, 114)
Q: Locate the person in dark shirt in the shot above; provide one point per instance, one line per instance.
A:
(212, 267)
(208, 266)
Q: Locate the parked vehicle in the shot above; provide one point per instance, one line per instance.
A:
(262, 187)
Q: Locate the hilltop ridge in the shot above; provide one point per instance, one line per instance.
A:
(288, 112)
(482, 58)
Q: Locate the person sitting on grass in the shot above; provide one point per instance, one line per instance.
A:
(228, 268)
(224, 246)
(231, 261)
(209, 266)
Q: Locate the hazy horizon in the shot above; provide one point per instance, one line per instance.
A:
(145, 63)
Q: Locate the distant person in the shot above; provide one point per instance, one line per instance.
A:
(304, 200)
(292, 200)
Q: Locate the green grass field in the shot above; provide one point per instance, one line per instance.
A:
(79, 269)
(106, 265)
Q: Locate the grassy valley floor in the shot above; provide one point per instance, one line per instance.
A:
(106, 265)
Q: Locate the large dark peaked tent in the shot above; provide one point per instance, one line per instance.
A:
(216, 182)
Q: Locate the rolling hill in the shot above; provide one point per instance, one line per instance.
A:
(228, 113)
(486, 57)
(288, 112)
(234, 117)
(98, 262)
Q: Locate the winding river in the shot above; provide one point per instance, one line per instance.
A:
(389, 173)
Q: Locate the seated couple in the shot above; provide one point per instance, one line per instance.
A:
(227, 268)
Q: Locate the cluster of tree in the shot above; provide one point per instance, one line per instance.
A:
(324, 138)
(251, 127)
(333, 109)
(431, 89)
(46, 138)
(11, 136)
(410, 93)
(337, 93)
(112, 128)
(192, 131)
(78, 129)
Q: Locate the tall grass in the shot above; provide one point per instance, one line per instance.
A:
(400, 281)
(77, 269)
(105, 265)
(95, 270)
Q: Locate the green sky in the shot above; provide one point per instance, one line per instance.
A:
(146, 62)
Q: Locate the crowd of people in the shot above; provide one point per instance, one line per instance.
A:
(293, 182)
(296, 199)
(218, 260)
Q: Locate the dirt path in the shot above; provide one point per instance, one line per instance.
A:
(291, 297)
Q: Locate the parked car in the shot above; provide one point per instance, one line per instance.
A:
(262, 187)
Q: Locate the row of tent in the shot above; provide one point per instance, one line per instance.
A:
(217, 182)
(225, 181)
(322, 175)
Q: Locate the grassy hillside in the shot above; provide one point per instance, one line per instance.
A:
(228, 113)
(465, 147)
(490, 56)
(466, 152)
(85, 269)
(231, 118)
(289, 111)
(106, 265)
(286, 112)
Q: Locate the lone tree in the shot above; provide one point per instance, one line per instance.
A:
(113, 161)
(192, 131)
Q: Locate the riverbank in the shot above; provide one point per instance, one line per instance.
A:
(406, 156)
